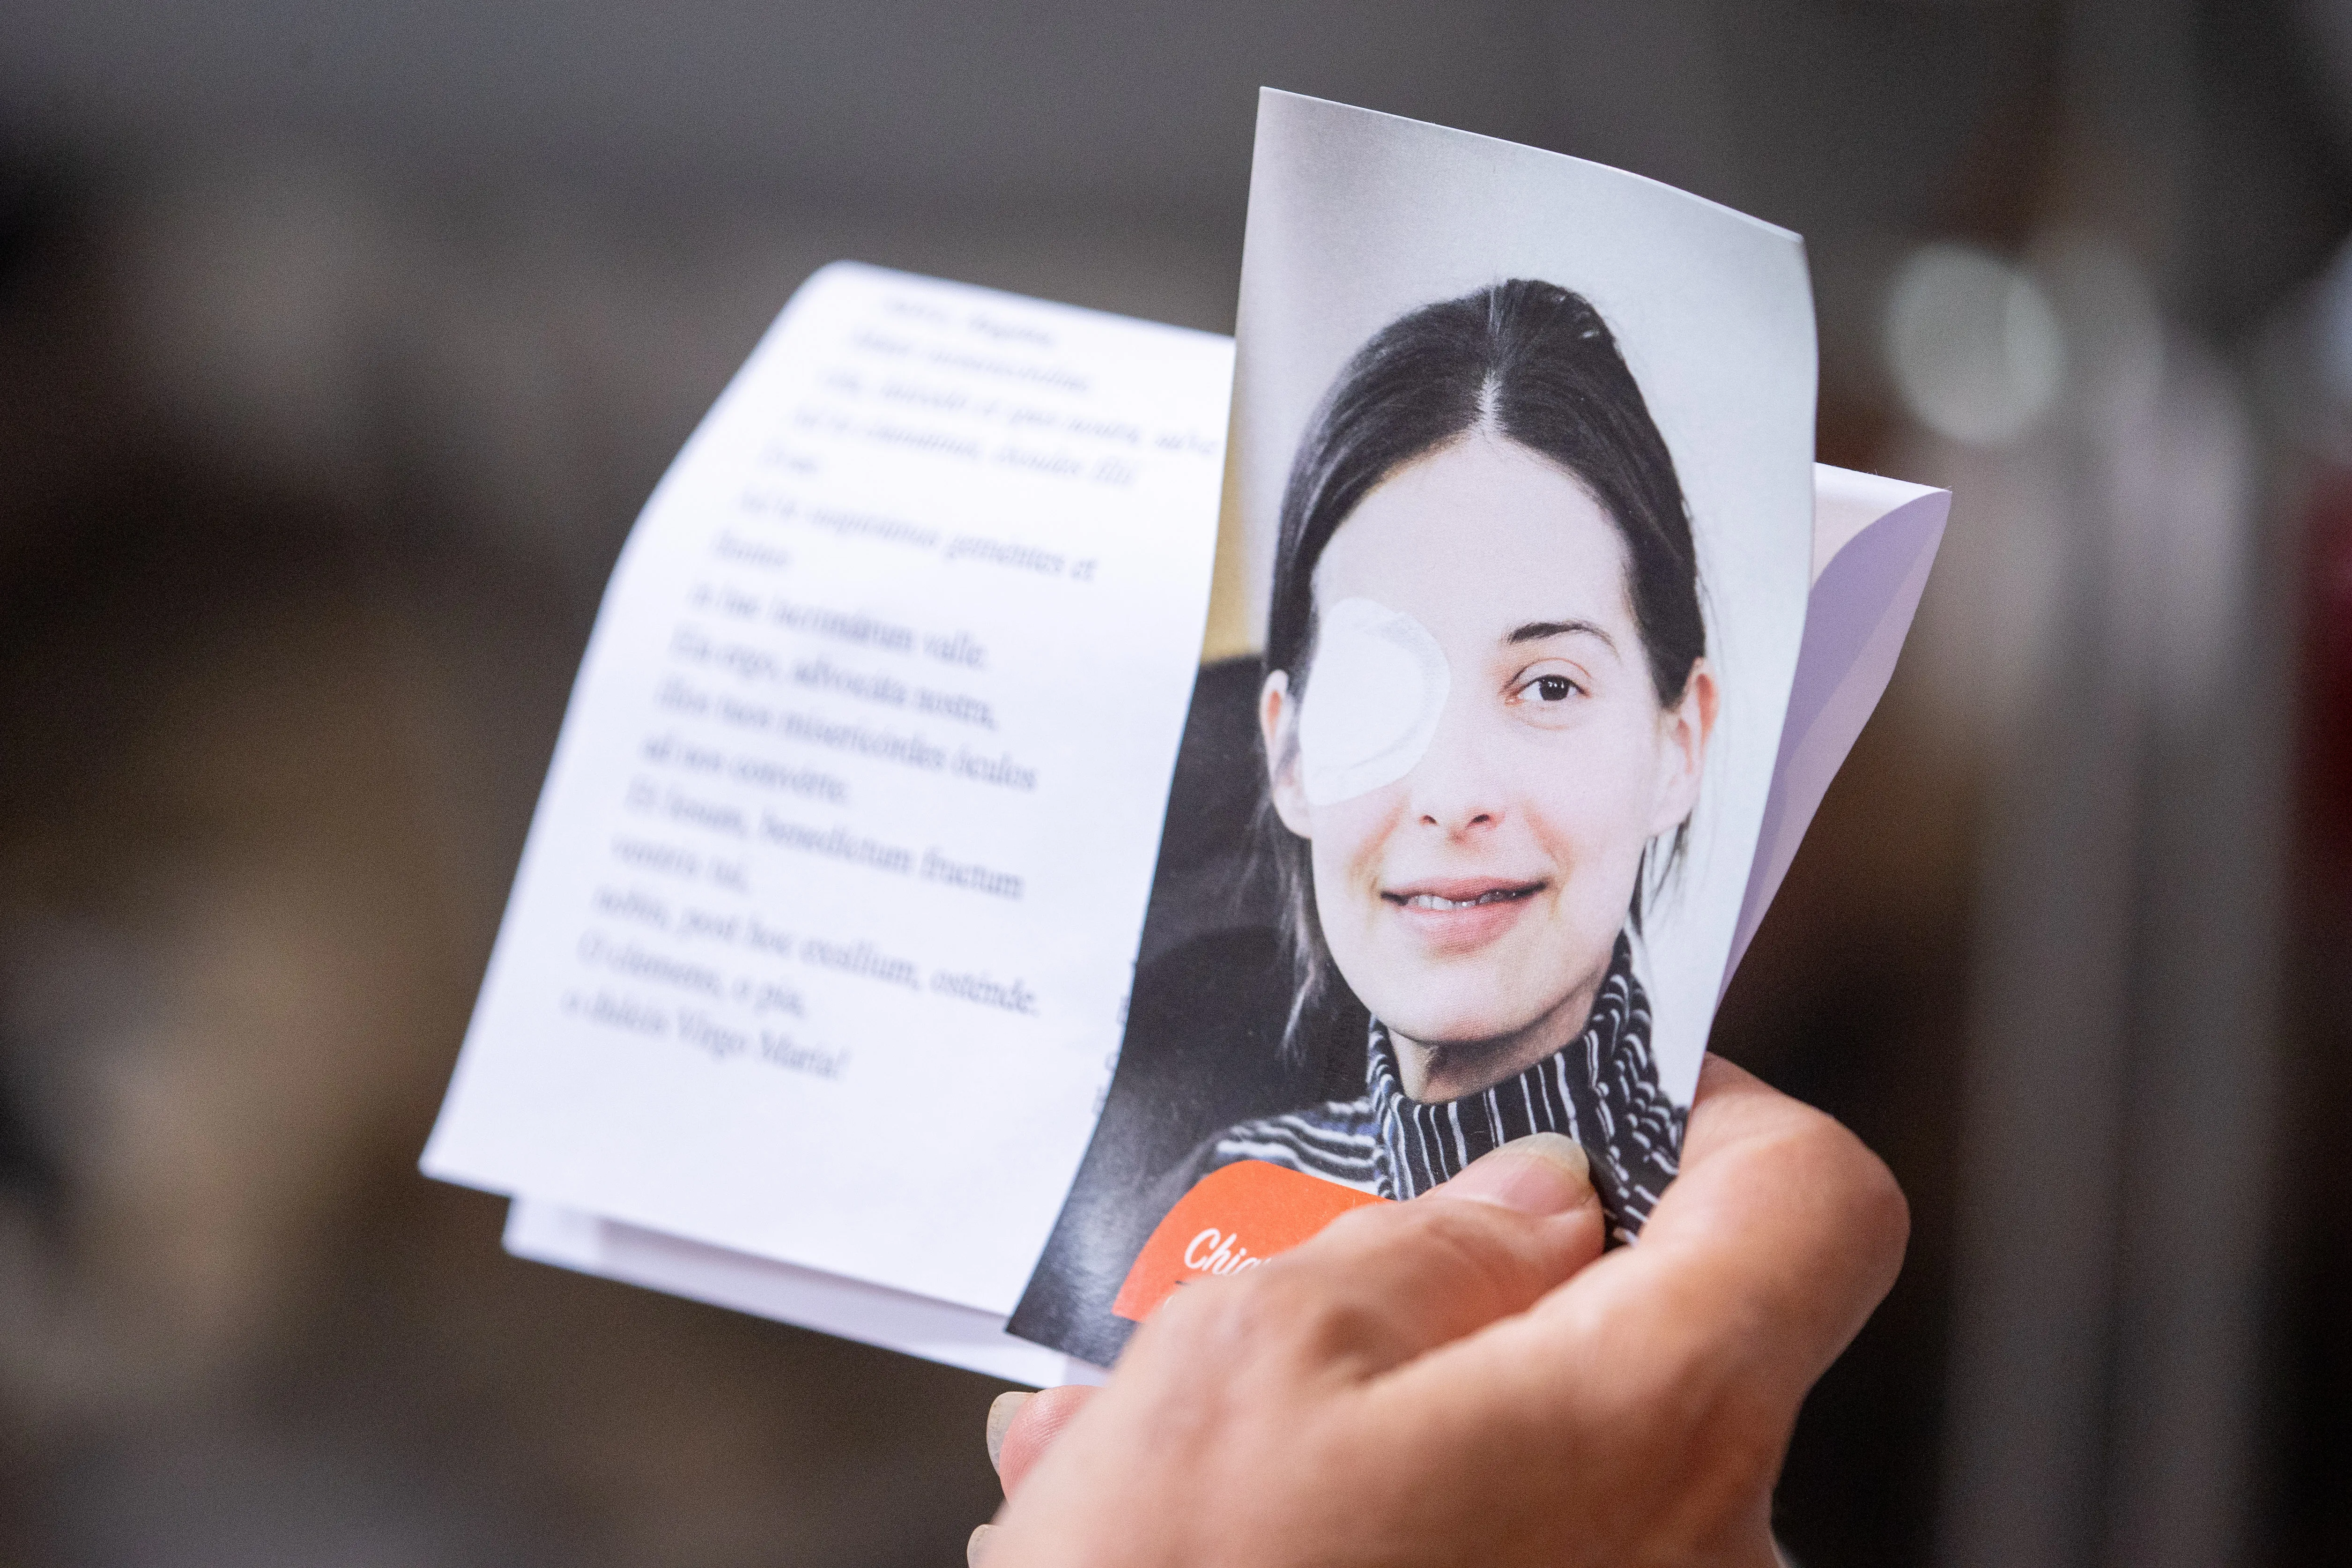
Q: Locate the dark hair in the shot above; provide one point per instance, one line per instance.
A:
(1534, 363)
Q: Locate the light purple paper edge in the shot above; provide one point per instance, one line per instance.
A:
(1856, 619)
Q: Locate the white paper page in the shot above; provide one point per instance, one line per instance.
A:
(822, 935)
(1854, 628)
(849, 1308)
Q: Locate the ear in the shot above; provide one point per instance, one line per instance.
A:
(1277, 722)
(1683, 732)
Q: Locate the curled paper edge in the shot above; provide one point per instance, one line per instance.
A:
(1875, 540)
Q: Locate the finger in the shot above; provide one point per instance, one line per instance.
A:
(1384, 1283)
(1760, 1264)
(1542, 1174)
(1019, 1436)
(1785, 1207)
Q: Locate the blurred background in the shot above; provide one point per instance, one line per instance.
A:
(339, 344)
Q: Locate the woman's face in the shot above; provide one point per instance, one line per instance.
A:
(1473, 903)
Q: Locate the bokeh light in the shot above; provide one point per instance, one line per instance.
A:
(1974, 344)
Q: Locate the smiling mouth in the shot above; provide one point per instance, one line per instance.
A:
(1426, 900)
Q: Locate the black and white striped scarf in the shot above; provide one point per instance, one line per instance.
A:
(1601, 1089)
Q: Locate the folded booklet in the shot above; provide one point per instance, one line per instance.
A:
(917, 940)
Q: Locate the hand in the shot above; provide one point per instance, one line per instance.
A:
(1465, 1378)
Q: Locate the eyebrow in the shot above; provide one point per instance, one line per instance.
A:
(1536, 631)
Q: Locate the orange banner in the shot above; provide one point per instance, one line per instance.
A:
(1234, 1217)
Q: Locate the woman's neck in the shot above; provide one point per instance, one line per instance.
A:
(1449, 1069)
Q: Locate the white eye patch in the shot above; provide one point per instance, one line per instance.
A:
(1374, 695)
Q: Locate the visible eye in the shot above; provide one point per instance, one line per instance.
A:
(1549, 689)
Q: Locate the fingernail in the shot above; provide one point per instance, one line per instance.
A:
(1544, 1173)
(1001, 1411)
(976, 1545)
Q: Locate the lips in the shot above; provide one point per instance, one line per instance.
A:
(1459, 912)
(1491, 896)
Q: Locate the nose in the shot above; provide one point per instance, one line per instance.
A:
(1454, 789)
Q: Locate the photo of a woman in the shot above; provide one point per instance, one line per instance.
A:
(1485, 711)
(1514, 561)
